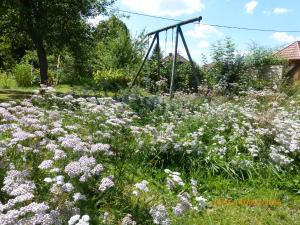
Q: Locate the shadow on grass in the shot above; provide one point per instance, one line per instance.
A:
(13, 95)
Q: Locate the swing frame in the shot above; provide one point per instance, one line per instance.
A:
(174, 67)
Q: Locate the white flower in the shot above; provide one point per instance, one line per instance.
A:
(97, 169)
(142, 186)
(59, 154)
(201, 201)
(183, 205)
(100, 148)
(60, 180)
(55, 170)
(173, 179)
(68, 187)
(77, 197)
(127, 220)
(73, 220)
(85, 218)
(160, 215)
(85, 166)
(46, 164)
(106, 183)
(48, 180)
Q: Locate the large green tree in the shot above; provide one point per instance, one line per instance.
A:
(50, 24)
(115, 48)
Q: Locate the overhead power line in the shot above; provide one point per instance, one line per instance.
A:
(213, 25)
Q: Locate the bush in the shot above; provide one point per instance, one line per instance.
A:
(23, 74)
(233, 72)
(6, 81)
(112, 79)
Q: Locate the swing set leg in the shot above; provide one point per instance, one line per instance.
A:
(189, 56)
(174, 63)
(158, 57)
(144, 61)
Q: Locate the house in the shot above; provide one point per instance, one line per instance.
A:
(180, 58)
(292, 53)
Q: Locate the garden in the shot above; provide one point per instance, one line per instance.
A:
(145, 160)
(78, 146)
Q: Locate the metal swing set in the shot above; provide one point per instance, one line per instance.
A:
(157, 40)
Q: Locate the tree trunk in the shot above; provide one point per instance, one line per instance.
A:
(43, 64)
(32, 12)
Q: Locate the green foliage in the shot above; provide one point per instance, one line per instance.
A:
(233, 72)
(159, 80)
(6, 59)
(51, 26)
(228, 67)
(23, 74)
(115, 49)
(6, 81)
(116, 54)
(112, 79)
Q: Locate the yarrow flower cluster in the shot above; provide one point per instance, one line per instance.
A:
(127, 220)
(61, 150)
(173, 179)
(78, 220)
(106, 183)
(184, 204)
(85, 166)
(141, 187)
(18, 186)
(160, 215)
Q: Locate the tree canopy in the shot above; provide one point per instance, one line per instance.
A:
(50, 25)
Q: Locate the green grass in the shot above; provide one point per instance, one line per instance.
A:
(19, 93)
(15, 94)
(241, 204)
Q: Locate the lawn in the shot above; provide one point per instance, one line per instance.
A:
(84, 159)
(22, 93)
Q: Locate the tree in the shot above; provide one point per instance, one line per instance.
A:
(115, 49)
(50, 24)
(228, 65)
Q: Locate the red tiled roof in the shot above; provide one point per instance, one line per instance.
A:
(291, 52)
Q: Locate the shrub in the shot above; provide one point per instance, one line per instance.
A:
(6, 81)
(112, 79)
(23, 74)
(233, 72)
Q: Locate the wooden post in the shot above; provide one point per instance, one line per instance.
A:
(174, 63)
(144, 61)
(189, 56)
(158, 56)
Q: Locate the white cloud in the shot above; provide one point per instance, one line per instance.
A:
(284, 37)
(250, 6)
(165, 7)
(280, 10)
(203, 31)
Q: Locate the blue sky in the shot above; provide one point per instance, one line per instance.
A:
(264, 14)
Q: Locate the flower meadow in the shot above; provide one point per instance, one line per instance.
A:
(139, 160)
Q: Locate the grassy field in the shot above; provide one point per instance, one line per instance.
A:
(21, 93)
(189, 160)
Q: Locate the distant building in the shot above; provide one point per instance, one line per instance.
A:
(292, 53)
(180, 58)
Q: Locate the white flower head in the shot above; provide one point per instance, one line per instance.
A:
(46, 164)
(106, 183)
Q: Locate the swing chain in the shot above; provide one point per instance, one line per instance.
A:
(166, 40)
